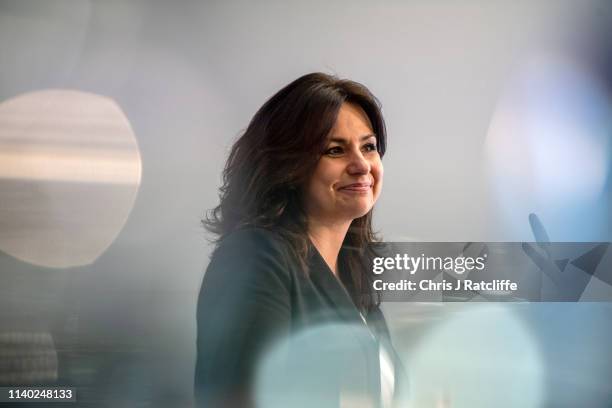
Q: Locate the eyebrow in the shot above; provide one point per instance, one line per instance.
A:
(344, 141)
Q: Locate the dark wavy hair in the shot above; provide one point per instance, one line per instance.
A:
(270, 164)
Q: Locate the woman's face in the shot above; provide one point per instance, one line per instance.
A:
(348, 178)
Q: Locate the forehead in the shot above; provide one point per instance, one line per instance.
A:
(351, 121)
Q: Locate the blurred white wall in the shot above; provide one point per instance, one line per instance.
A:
(189, 75)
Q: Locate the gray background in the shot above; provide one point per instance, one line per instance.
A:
(189, 76)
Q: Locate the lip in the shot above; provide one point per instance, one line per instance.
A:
(356, 187)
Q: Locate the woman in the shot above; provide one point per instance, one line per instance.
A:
(294, 224)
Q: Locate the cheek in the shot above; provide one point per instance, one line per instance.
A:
(327, 175)
(377, 173)
(321, 183)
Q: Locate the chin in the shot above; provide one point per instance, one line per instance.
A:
(359, 212)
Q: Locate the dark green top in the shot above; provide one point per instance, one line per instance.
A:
(254, 302)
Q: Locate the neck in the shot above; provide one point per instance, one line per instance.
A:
(328, 238)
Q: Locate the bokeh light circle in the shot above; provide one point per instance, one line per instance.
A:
(483, 356)
(548, 146)
(70, 170)
(310, 368)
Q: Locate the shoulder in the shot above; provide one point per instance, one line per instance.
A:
(251, 254)
(252, 242)
(251, 238)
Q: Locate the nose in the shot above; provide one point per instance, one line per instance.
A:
(358, 164)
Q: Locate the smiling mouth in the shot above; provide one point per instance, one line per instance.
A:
(357, 187)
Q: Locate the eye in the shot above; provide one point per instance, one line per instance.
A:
(334, 151)
(370, 147)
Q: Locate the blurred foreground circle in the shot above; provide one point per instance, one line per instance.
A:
(331, 365)
(70, 170)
